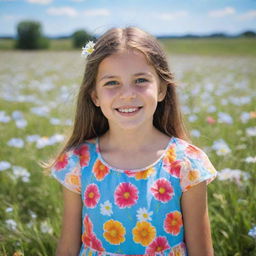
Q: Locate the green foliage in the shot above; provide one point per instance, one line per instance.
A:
(80, 38)
(29, 36)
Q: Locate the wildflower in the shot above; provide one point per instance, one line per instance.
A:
(4, 165)
(4, 118)
(21, 123)
(233, 175)
(16, 142)
(46, 228)
(245, 116)
(252, 232)
(221, 147)
(250, 159)
(11, 224)
(251, 131)
(195, 133)
(88, 48)
(225, 118)
(210, 120)
(20, 172)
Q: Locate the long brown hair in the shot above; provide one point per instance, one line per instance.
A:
(89, 120)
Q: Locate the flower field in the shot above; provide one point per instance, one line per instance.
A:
(37, 100)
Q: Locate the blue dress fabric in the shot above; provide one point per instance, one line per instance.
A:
(133, 212)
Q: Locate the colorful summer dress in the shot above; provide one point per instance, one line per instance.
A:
(133, 212)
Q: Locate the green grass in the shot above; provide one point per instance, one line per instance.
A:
(197, 46)
(212, 47)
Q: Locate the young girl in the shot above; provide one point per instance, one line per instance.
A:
(133, 184)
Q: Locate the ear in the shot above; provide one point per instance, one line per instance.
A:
(94, 98)
(162, 92)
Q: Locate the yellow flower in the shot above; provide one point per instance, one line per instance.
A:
(143, 233)
(193, 175)
(144, 174)
(114, 232)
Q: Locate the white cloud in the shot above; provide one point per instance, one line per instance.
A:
(171, 15)
(65, 10)
(248, 15)
(97, 12)
(39, 1)
(222, 12)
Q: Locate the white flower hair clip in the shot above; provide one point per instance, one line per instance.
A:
(88, 49)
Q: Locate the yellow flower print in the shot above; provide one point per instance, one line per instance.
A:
(170, 156)
(144, 233)
(193, 175)
(144, 174)
(114, 232)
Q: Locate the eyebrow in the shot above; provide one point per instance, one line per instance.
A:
(136, 74)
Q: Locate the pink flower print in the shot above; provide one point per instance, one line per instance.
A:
(174, 168)
(173, 223)
(91, 195)
(162, 190)
(159, 245)
(193, 152)
(88, 231)
(84, 155)
(126, 195)
(62, 162)
(96, 244)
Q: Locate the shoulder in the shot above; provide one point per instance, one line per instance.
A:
(186, 149)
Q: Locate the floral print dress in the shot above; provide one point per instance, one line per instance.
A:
(133, 212)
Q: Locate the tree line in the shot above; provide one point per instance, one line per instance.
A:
(30, 36)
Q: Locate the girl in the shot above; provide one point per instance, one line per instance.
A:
(133, 184)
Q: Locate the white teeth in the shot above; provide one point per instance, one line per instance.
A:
(126, 110)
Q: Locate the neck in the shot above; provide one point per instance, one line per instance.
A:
(133, 140)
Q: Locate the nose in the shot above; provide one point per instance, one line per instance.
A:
(127, 93)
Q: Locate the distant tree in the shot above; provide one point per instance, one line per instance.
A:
(29, 36)
(248, 34)
(80, 38)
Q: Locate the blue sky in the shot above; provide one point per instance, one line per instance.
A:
(159, 17)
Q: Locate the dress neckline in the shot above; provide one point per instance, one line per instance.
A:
(131, 170)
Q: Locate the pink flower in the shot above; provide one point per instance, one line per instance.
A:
(62, 162)
(96, 244)
(173, 223)
(88, 231)
(162, 190)
(174, 168)
(210, 120)
(126, 195)
(83, 153)
(91, 195)
(160, 244)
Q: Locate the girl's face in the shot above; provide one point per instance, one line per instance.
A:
(127, 90)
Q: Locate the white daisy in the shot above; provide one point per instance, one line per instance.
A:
(106, 208)
(88, 48)
(143, 214)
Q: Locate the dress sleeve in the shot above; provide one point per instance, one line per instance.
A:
(196, 168)
(67, 171)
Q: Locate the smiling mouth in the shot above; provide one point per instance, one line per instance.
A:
(128, 110)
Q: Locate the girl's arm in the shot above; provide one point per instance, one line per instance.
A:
(70, 240)
(196, 221)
